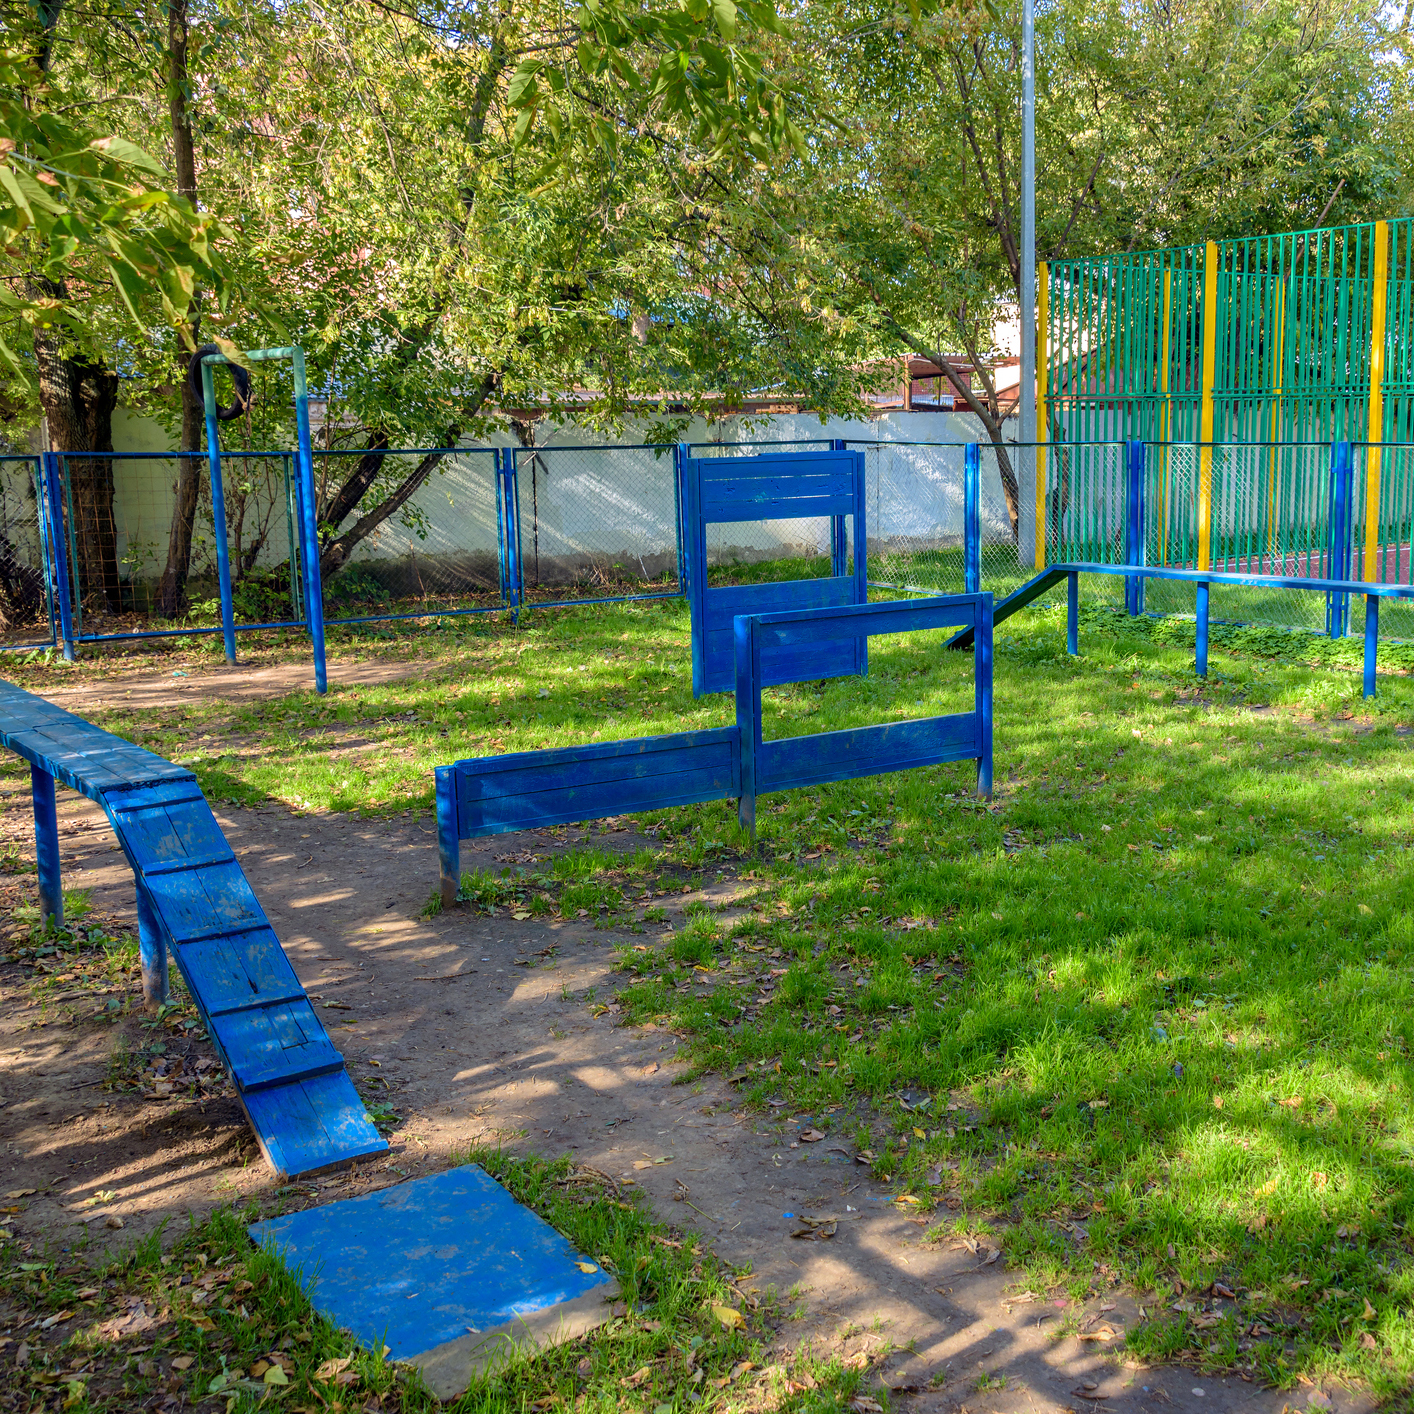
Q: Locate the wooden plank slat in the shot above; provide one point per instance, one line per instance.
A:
(866, 751)
(534, 789)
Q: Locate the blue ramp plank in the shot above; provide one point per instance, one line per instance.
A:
(288, 1074)
(434, 1264)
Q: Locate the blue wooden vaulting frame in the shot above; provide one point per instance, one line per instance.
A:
(194, 902)
(778, 486)
(526, 790)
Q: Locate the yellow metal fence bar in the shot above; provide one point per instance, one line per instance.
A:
(1375, 425)
(1205, 433)
(1043, 310)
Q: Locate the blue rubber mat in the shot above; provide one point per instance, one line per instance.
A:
(429, 1261)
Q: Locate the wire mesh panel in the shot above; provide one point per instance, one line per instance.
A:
(1006, 507)
(597, 522)
(142, 542)
(432, 546)
(26, 606)
(915, 514)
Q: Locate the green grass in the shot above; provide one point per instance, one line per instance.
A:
(689, 1332)
(1146, 1017)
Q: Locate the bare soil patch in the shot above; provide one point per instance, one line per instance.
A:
(477, 1029)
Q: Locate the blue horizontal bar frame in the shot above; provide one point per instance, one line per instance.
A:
(1203, 580)
(836, 756)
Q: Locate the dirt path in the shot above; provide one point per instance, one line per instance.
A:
(219, 683)
(477, 1032)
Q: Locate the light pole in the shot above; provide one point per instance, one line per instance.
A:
(1026, 389)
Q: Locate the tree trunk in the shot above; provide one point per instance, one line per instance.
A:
(78, 395)
(172, 589)
(1011, 488)
(334, 555)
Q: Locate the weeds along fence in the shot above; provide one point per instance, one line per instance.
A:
(102, 547)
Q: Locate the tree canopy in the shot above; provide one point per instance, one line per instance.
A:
(465, 212)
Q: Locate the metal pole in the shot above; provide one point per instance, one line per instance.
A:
(309, 527)
(218, 511)
(1026, 404)
(59, 545)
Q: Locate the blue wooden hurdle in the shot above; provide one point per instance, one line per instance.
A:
(194, 902)
(491, 795)
(779, 486)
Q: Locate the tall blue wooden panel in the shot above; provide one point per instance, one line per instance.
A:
(779, 486)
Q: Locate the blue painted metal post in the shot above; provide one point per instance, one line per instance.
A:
(1200, 631)
(748, 716)
(1135, 546)
(59, 548)
(309, 523)
(218, 506)
(152, 951)
(1072, 613)
(46, 847)
(982, 693)
(1372, 640)
(1341, 521)
(679, 525)
(972, 518)
(508, 517)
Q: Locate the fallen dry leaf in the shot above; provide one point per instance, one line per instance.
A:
(21, 1192)
(184, 1362)
(330, 1368)
(729, 1316)
(811, 1136)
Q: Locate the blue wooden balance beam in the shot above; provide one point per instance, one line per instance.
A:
(527, 790)
(195, 903)
(1035, 588)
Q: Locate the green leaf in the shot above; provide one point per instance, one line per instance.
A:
(12, 186)
(129, 154)
(725, 13)
(523, 88)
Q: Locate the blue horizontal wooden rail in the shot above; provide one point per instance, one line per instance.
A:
(490, 795)
(1035, 588)
(195, 904)
(779, 486)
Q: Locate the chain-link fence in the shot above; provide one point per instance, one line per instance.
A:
(409, 533)
(26, 595)
(142, 542)
(597, 523)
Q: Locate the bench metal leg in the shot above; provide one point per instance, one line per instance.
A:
(46, 847)
(1072, 615)
(152, 951)
(1200, 635)
(449, 850)
(1372, 639)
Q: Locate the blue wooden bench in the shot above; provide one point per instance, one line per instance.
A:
(780, 486)
(194, 902)
(491, 795)
(1035, 588)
